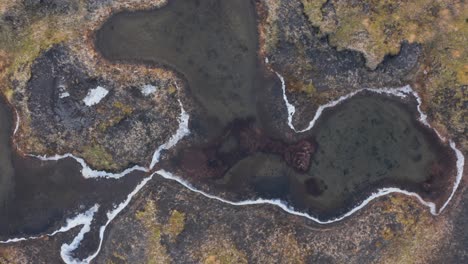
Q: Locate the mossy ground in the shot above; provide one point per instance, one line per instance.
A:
(222, 252)
(120, 112)
(412, 236)
(378, 29)
(19, 47)
(148, 216)
(103, 159)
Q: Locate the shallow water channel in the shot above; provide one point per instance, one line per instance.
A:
(38, 196)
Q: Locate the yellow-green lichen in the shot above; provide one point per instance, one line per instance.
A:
(313, 10)
(172, 89)
(155, 251)
(176, 223)
(20, 47)
(119, 112)
(154, 230)
(412, 234)
(98, 156)
(225, 254)
(378, 28)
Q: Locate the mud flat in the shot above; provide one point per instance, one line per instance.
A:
(368, 142)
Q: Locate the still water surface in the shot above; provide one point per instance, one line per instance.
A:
(367, 142)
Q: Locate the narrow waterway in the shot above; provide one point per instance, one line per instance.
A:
(37, 197)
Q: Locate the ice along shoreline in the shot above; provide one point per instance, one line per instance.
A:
(86, 218)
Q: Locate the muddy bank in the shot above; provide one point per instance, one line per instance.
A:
(241, 149)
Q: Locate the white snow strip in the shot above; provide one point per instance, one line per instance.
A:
(400, 92)
(86, 218)
(67, 249)
(291, 108)
(460, 167)
(95, 96)
(80, 219)
(181, 132)
(423, 116)
(17, 123)
(87, 171)
(148, 89)
(289, 209)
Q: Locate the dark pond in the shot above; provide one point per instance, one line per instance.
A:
(211, 43)
(367, 142)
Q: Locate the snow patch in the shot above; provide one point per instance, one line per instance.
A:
(148, 89)
(85, 220)
(88, 172)
(63, 91)
(64, 95)
(95, 96)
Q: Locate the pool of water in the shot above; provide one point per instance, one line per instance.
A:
(368, 141)
(213, 44)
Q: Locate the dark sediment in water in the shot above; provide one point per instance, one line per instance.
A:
(367, 142)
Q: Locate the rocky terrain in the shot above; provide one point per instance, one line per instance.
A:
(324, 49)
